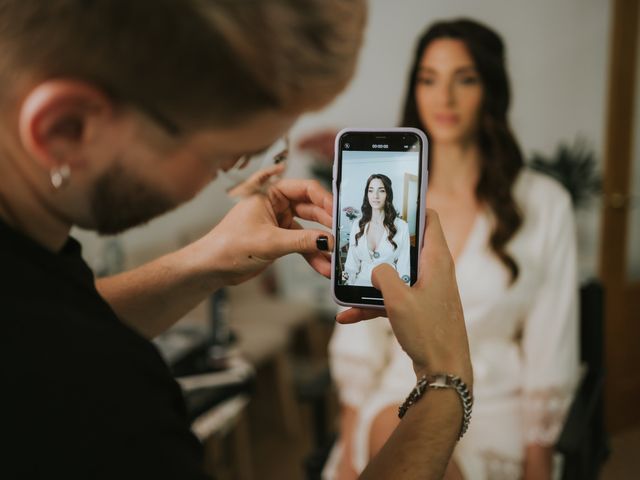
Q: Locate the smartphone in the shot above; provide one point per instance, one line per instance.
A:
(379, 189)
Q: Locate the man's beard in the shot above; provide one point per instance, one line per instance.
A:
(120, 201)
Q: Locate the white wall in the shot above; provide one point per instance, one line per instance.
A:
(557, 57)
(557, 54)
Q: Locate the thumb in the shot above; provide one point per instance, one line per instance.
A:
(385, 278)
(300, 240)
(267, 173)
(435, 244)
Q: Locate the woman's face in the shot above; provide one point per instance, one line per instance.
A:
(448, 92)
(376, 194)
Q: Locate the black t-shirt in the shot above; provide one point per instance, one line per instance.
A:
(81, 395)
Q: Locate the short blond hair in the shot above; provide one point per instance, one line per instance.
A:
(198, 61)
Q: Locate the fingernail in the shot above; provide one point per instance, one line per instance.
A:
(322, 242)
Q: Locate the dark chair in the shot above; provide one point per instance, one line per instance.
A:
(584, 442)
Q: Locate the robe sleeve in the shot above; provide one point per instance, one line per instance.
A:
(550, 344)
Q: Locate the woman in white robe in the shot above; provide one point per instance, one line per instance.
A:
(379, 237)
(511, 233)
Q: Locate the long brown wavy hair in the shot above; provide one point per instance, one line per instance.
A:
(501, 158)
(390, 212)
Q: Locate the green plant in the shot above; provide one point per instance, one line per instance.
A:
(575, 167)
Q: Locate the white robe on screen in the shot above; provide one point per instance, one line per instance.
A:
(361, 261)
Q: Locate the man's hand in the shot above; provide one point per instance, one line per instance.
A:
(427, 318)
(428, 322)
(262, 228)
(257, 182)
(253, 234)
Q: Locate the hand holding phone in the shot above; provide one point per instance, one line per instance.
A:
(379, 186)
(427, 319)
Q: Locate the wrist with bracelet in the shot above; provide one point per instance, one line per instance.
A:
(440, 381)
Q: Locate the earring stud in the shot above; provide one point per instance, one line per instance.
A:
(60, 176)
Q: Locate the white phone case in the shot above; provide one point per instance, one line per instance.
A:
(336, 212)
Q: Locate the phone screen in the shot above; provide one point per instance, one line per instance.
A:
(378, 182)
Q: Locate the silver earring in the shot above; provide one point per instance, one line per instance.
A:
(60, 176)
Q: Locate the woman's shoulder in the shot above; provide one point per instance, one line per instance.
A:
(545, 204)
(538, 191)
(401, 225)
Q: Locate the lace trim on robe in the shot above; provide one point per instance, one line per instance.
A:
(545, 412)
(501, 467)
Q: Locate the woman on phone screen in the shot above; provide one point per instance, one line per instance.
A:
(379, 237)
(511, 233)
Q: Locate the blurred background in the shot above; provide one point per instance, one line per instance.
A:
(575, 68)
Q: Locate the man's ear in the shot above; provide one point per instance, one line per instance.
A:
(57, 118)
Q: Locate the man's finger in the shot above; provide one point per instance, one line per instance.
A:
(308, 211)
(385, 278)
(284, 241)
(435, 250)
(355, 315)
(319, 262)
(305, 191)
(262, 176)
